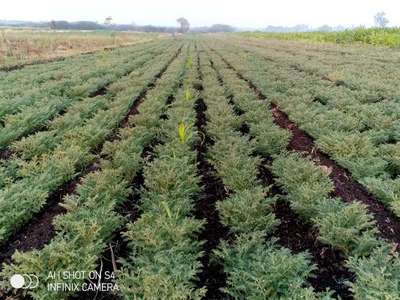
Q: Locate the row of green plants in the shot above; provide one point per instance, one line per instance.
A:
(256, 267)
(269, 138)
(83, 233)
(342, 71)
(389, 37)
(163, 242)
(29, 80)
(77, 115)
(81, 117)
(41, 176)
(68, 84)
(46, 107)
(335, 77)
(361, 137)
(369, 105)
(347, 227)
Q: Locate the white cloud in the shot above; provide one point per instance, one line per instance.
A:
(248, 13)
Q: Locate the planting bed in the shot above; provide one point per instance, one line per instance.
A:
(201, 168)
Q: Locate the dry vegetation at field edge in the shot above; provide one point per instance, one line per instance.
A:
(27, 45)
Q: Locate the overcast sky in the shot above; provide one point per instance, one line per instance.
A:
(246, 13)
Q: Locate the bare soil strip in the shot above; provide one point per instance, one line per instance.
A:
(5, 154)
(31, 235)
(299, 236)
(212, 275)
(345, 186)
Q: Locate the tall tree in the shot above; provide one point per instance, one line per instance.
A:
(381, 20)
(185, 25)
(108, 21)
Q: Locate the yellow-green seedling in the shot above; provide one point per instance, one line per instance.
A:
(182, 131)
(188, 94)
(167, 209)
(189, 62)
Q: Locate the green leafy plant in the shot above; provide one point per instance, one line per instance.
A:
(257, 270)
(182, 132)
(377, 275)
(247, 211)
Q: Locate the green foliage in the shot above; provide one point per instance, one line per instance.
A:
(248, 211)
(167, 274)
(59, 97)
(305, 183)
(378, 275)
(85, 230)
(48, 172)
(347, 227)
(188, 95)
(254, 270)
(182, 132)
(355, 152)
(232, 159)
(171, 180)
(189, 62)
(163, 241)
(19, 201)
(82, 233)
(389, 37)
(388, 191)
(351, 109)
(391, 153)
(257, 270)
(270, 139)
(4, 177)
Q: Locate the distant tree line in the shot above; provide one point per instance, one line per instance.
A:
(303, 28)
(89, 25)
(214, 28)
(380, 21)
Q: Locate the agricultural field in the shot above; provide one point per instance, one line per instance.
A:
(202, 167)
(387, 37)
(22, 46)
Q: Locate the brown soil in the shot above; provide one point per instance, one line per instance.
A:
(298, 236)
(5, 154)
(212, 275)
